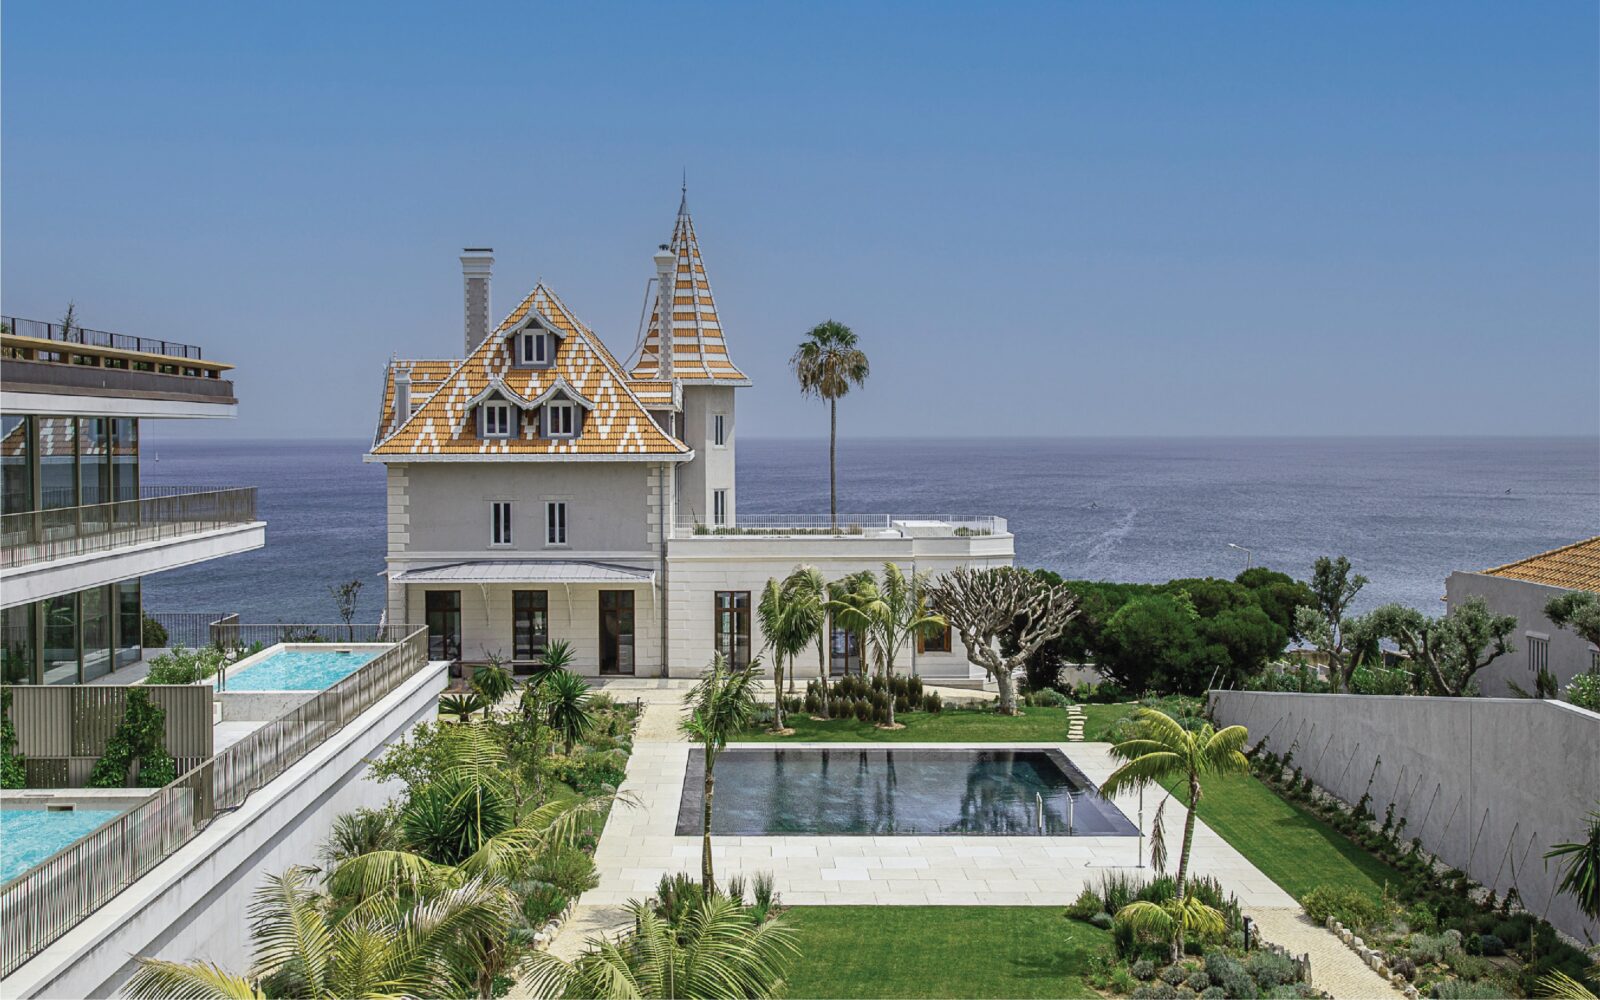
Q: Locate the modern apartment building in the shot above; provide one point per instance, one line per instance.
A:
(80, 529)
(541, 489)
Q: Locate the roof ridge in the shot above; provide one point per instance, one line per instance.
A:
(1542, 555)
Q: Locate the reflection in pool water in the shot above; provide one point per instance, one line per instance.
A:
(905, 792)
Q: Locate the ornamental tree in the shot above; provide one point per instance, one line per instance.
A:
(1325, 625)
(988, 606)
(1576, 611)
(1451, 649)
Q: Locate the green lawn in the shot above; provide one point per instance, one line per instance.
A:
(940, 951)
(1290, 845)
(1035, 725)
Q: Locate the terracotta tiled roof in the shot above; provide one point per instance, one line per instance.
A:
(442, 423)
(699, 351)
(1573, 567)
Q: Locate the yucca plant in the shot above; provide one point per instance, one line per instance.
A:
(1160, 751)
(1580, 877)
(568, 706)
(719, 951)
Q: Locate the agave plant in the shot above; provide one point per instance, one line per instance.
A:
(1580, 877)
(719, 951)
(462, 706)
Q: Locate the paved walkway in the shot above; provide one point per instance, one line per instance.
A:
(1334, 967)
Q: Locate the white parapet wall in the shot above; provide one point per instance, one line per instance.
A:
(194, 905)
(1488, 784)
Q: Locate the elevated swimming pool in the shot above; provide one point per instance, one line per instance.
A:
(912, 792)
(301, 667)
(29, 836)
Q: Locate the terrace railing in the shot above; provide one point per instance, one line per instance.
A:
(29, 537)
(46, 901)
(690, 525)
(98, 338)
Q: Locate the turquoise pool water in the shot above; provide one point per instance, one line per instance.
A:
(298, 670)
(29, 836)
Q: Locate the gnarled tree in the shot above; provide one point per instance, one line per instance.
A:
(1576, 611)
(1450, 650)
(986, 606)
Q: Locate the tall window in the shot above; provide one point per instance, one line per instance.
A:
(719, 506)
(496, 420)
(560, 420)
(16, 457)
(129, 622)
(58, 464)
(719, 435)
(733, 627)
(533, 349)
(444, 624)
(938, 642)
(1538, 654)
(530, 624)
(500, 523)
(555, 522)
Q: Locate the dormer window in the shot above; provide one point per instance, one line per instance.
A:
(535, 349)
(497, 420)
(560, 420)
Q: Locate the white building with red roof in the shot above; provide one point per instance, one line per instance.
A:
(539, 490)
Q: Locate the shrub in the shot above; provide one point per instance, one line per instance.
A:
(931, 702)
(1270, 969)
(1460, 989)
(1405, 968)
(1198, 981)
(542, 903)
(1350, 907)
(186, 666)
(1214, 993)
(1584, 691)
(152, 634)
(1102, 920)
(1487, 944)
(1227, 973)
(1048, 698)
(1174, 974)
(568, 869)
(1144, 970)
(1155, 991)
(141, 736)
(1158, 891)
(1086, 905)
(13, 772)
(1118, 889)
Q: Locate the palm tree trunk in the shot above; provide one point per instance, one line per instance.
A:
(708, 881)
(888, 682)
(833, 464)
(777, 693)
(1183, 857)
(822, 665)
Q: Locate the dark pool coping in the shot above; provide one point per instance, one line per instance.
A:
(691, 796)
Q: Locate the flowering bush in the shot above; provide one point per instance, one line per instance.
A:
(1584, 691)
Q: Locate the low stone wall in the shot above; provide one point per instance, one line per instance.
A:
(1488, 784)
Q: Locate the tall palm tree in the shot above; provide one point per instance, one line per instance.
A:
(381, 947)
(810, 589)
(900, 613)
(1163, 750)
(720, 951)
(828, 363)
(720, 706)
(785, 623)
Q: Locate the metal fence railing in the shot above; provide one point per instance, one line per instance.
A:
(232, 634)
(40, 535)
(688, 525)
(98, 338)
(189, 629)
(46, 901)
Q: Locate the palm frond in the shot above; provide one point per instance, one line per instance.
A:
(156, 979)
(1147, 769)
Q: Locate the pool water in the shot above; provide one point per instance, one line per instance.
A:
(29, 836)
(904, 792)
(298, 670)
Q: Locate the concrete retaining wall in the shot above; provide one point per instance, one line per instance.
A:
(195, 904)
(1489, 784)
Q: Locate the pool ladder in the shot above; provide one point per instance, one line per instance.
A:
(1038, 801)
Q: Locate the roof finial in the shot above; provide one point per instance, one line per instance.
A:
(683, 204)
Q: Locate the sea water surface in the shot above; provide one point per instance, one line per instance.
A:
(1407, 511)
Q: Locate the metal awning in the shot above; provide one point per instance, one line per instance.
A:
(528, 571)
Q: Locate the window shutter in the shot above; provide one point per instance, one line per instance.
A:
(479, 415)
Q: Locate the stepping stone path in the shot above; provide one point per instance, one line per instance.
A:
(1075, 723)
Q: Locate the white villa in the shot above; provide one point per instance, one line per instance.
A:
(539, 489)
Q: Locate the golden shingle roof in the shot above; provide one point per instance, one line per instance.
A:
(1573, 567)
(441, 422)
(699, 351)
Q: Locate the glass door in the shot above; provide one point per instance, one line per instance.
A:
(844, 653)
(616, 631)
(444, 624)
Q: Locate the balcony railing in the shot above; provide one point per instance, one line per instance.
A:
(845, 525)
(98, 338)
(46, 901)
(31, 537)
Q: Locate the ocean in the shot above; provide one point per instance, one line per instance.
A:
(1407, 511)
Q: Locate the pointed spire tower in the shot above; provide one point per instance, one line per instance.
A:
(700, 354)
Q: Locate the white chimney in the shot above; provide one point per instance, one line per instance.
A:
(402, 396)
(477, 263)
(666, 291)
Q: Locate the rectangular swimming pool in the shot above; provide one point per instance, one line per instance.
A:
(298, 670)
(898, 792)
(29, 836)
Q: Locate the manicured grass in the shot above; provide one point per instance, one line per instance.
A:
(940, 951)
(1290, 845)
(1034, 725)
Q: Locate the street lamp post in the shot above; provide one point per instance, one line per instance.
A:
(1248, 562)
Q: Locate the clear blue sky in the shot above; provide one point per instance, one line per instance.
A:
(1053, 219)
